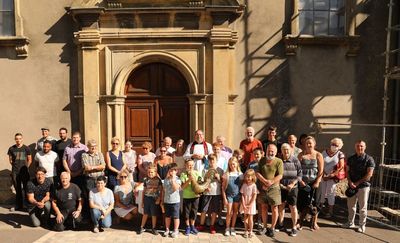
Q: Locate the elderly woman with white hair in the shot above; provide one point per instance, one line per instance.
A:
(333, 168)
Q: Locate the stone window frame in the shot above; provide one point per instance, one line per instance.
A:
(348, 39)
(18, 41)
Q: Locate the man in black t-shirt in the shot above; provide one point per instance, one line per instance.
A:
(20, 159)
(360, 168)
(38, 194)
(60, 146)
(271, 139)
(67, 203)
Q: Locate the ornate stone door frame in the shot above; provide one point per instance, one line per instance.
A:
(113, 40)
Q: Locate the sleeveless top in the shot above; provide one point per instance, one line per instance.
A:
(330, 162)
(116, 162)
(310, 169)
(162, 171)
(125, 198)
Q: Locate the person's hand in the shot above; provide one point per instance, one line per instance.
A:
(315, 185)
(290, 186)
(40, 204)
(158, 201)
(352, 185)
(59, 218)
(207, 189)
(198, 156)
(217, 176)
(268, 183)
(76, 214)
(302, 183)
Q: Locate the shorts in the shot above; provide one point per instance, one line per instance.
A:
(150, 206)
(172, 210)
(190, 207)
(233, 199)
(290, 197)
(211, 204)
(272, 196)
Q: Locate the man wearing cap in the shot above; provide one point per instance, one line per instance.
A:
(45, 136)
(360, 168)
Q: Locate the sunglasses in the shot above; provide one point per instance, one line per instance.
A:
(123, 177)
(163, 151)
(145, 148)
(114, 143)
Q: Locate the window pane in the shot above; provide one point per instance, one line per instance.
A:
(333, 24)
(306, 22)
(6, 4)
(306, 4)
(337, 4)
(321, 4)
(7, 24)
(321, 19)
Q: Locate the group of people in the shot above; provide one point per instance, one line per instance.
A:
(75, 181)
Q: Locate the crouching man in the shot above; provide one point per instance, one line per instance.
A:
(67, 204)
(38, 194)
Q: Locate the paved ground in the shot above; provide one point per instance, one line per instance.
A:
(14, 227)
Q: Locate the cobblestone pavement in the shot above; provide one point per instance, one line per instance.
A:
(14, 227)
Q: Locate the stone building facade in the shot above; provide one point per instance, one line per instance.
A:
(145, 69)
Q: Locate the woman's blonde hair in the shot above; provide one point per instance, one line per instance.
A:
(147, 145)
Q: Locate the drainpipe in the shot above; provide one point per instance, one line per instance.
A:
(396, 117)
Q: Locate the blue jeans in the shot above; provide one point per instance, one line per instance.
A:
(96, 214)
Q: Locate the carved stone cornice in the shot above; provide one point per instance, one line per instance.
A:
(223, 38)
(198, 99)
(20, 43)
(113, 99)
(88, 38)
(352, 43)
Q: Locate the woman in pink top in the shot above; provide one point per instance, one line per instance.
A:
(249, 194)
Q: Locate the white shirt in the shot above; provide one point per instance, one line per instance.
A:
(198, 149)
(47, 161)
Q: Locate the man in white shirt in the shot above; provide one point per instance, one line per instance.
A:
(198, 151)
(48, 159)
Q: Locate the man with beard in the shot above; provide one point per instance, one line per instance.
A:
(198, 151)
(38, 194)
(60, 146)
(270, 172)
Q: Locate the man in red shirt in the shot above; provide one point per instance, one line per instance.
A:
(248, 145)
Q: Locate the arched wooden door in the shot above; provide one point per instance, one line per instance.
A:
(156, 105)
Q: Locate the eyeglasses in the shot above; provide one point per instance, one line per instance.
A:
(123, 177)
(114, 143)
(145, 148)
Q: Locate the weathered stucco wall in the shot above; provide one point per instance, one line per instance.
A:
(36, 91)
(319, 82)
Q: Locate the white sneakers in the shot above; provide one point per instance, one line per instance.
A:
(361, 229)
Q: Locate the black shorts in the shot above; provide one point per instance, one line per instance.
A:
(290, 197)
(172, 210)
(211, 204)
(190, 207)
(150, 206)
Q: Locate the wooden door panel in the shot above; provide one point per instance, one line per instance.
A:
(156, 105)
(139, 122)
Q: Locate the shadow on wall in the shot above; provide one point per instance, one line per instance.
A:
(303, 88)
(62, 32)
(274, 87)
